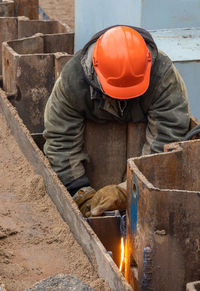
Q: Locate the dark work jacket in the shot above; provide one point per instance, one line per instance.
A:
(77, 96)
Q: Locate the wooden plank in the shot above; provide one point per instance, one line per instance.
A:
(63, 201)
(29, 78)
(29, 45)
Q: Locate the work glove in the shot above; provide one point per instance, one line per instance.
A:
(111, 197)
(83, 199)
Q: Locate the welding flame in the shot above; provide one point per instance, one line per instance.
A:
(122, 254)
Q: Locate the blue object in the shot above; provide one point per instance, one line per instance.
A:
(134, 205)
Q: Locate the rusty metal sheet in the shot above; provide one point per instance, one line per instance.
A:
(60, 60)
(8, 31)
(27, 28)
(29, 67)
(6, 8)
(107, 228)
(9, 66)
(59, 43)
(13, 28)
(29, 45)
(29, 8)
(107, 152)
(136, 138)
(163, 218)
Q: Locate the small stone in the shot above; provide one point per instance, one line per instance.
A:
(60, 282)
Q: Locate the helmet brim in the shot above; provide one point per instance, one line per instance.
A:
(125, 92)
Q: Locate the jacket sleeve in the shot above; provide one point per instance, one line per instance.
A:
(168, 115)
(64, 128)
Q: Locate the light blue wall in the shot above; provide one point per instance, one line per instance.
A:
(190, 71)
(94, 15)
(156, 14)
(183, 47)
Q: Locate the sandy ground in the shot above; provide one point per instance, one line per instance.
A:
(62, 10)
(35, 243)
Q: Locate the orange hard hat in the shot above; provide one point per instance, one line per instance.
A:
(122, 62)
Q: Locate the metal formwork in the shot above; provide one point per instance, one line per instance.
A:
(163, 237)
(28, 8)
(7, 8)
(30, 67)
(18, 27)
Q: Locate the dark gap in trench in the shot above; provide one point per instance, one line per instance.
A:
(1, 81)
(39, 140)
(133, 267)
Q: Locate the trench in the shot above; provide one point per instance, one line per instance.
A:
(35, 242)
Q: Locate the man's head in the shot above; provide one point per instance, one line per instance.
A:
(122, 62)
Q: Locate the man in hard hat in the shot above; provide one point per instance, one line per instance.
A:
(119, 75)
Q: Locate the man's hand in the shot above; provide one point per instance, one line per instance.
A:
(111, 197)
(83, 198)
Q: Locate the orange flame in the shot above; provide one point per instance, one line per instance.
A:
(122, 254)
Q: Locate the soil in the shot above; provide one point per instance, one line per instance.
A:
(62, 10)
(35, 243)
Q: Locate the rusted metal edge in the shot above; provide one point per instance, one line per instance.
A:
(67, 208)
